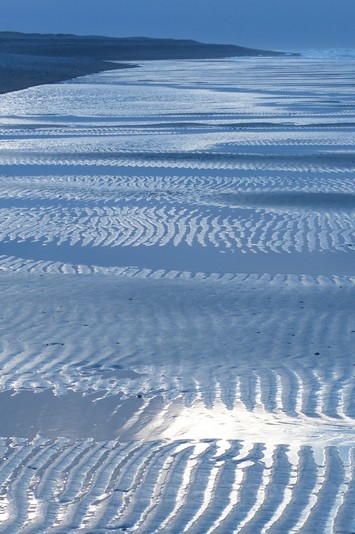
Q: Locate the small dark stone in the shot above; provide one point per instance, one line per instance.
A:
(317, 353)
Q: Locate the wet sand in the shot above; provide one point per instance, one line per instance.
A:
(177, 300)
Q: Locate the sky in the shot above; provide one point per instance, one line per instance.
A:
(276, 24)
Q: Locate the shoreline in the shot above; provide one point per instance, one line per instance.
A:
(28, 60)
(22, 72)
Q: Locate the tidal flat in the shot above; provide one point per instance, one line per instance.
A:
(177, 287)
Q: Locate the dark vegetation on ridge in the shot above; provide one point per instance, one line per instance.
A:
(34, 59)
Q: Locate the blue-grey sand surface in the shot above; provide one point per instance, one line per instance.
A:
(177, 288)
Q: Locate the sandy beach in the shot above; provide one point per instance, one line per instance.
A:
(177, 282)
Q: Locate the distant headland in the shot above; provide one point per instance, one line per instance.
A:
(27, 59)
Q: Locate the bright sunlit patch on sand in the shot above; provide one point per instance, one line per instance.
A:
(196, 422)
